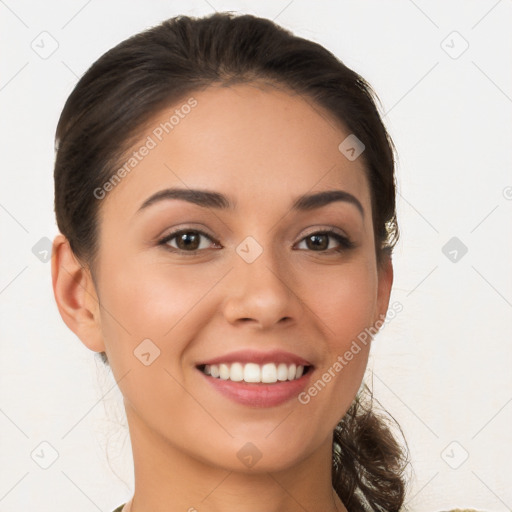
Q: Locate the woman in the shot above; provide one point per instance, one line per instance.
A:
(225, 194)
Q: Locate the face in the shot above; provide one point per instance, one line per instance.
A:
(202, 294)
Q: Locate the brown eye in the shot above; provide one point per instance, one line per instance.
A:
(186, 240)
(319, 241)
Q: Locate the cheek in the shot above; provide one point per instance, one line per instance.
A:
(150, 302)
(344, 300)
(345, 303)
(162, 304)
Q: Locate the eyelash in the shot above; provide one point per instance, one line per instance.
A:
(345, 243)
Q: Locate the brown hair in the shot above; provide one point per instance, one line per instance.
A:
(158, 67)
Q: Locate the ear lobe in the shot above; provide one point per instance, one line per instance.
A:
(76, 295)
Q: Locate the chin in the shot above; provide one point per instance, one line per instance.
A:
(263, 454)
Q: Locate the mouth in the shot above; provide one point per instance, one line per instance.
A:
(253, 373)
(257, 379)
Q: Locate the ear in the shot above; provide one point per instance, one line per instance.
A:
(385, 282)
(76, 295)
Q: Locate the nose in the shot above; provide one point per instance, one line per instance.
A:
(261, 293)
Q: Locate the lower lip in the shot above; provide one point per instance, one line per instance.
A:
(259, 394)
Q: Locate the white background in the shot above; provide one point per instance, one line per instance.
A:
(442, 367)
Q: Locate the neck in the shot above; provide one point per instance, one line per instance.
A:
(169, 480)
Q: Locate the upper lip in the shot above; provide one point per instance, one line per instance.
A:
(253, 356)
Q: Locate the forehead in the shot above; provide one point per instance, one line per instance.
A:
(254, 142)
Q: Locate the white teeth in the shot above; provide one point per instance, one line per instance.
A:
(254, 373)
(269, 373)
(282, 372)
(224, 371)
(236, 373)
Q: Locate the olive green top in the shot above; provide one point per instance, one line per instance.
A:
(118, 509)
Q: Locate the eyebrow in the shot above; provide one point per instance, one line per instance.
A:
(211, 199)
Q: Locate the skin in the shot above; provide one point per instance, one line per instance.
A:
(263, 147)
